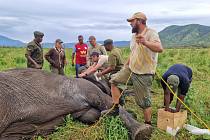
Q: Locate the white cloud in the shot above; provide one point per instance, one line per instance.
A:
(66, 19)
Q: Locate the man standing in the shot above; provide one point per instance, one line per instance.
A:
(178, 77)
(141, 65)
(115, 61)
(81, 53)
(94, 47)
(56, 57)
(34, 52)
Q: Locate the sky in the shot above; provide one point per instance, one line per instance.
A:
(66, 19)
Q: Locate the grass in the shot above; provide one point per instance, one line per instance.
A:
(198, 97)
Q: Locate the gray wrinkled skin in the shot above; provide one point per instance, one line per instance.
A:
(34, 102)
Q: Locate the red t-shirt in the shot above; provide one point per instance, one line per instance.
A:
(81, 53)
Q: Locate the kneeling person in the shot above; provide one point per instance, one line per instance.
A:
(56, 57)
(115, 61)
(100, 62)
(178, 77)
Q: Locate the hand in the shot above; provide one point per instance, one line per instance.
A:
(81, 75)
(65, 62)
(72, 64)
(99, 74)
(37, 66)
(140, 39)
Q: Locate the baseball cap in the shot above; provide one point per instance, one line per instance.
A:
(58, 40)
(173, 82)
(94, 54)
(138, 15)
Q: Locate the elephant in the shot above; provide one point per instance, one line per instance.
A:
(34, 102)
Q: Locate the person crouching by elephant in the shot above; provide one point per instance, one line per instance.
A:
(99, 63)
(56, 57)
(115, 60)
(178, 77)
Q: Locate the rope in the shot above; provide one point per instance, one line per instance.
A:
(160, 77)
(149, 61)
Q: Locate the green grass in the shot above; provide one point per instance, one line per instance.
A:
(198, 98)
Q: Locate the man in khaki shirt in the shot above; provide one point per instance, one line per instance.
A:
(94, 47)
(141, 64)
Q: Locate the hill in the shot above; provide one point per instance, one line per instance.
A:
(172, 36)
(5, 41)
(188, 35)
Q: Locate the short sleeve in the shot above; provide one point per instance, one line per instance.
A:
(29, 49)
(112, 60)
(103, 50)
(154, 37)
(103, 59)
(74, 49)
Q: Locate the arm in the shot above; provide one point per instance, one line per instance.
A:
(72, 58)
(153, 43)
(29, 51)
(178, 103)
(154, 46)
(167, 99)
(93, 69)
(73, 54)
(85, 73)
(112, 61)
(103, 50)
(65, 62)
(48, 57)
(88, 57)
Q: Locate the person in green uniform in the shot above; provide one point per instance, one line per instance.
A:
(57, 58)
(34, 52)
(115, 60)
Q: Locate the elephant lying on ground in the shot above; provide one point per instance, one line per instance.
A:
(34, 102)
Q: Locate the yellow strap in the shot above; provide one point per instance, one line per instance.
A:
(149, 61)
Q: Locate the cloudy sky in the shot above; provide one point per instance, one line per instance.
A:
(66, 19)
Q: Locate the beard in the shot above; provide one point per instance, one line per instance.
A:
(134, 30)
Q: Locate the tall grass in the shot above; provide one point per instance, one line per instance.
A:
(198, 97)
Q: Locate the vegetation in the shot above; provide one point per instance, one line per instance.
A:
(193, 35)
(112, 128)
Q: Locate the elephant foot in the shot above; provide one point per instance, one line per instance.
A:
(142, 133)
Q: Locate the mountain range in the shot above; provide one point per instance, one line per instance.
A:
(192, 35)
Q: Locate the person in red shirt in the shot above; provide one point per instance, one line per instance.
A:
(80, 50)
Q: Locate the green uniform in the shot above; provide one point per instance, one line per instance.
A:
(115, 60)
(35, 51)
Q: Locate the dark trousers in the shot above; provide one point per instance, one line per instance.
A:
(77, 66)
(57, 70)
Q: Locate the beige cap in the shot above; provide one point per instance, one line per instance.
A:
(138, 15)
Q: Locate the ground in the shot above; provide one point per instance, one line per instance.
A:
(112, 128)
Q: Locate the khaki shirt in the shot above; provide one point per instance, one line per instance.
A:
(98, 48)
(36, 53)
(115, 60)
(142, 59)
(103, 61)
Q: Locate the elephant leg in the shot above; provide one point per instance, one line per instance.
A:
(90, 116)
